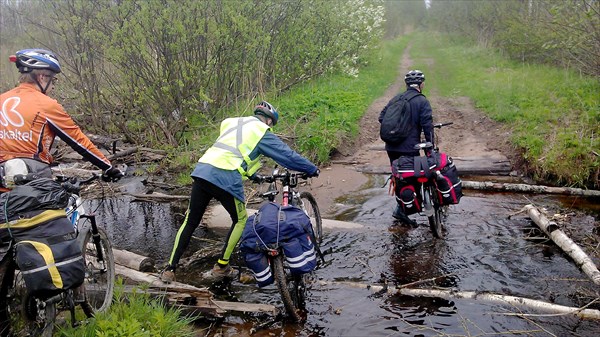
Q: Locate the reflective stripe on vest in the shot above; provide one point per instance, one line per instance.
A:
(238, 138)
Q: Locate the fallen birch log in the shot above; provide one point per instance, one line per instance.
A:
(565, 243)
(190, 298)
(155, 282)
(496, 298)
(133, 260)
(157, 197)
(486, 185)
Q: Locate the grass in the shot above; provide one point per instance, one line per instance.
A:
(133, 315)
(554, 113)
(321, 114)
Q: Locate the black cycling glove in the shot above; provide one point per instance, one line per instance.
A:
(112, 174)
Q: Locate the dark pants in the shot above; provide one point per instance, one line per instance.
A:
(393, 155)
(202, 193)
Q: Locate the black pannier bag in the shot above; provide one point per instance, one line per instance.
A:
(53, 264)
(406, 195)
(405, 170)
(46, 249)
(39, 194)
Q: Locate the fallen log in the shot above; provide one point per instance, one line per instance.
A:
(217, 216)
(154, 281)
(463, 170)
(504, 187)
(496, 298)
(157, 197)
(189, 298)
(133, 260)
(151, 154)
(565, 243)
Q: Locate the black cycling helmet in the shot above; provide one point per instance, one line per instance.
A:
(30, 59)
(266, 109)
(414, 77)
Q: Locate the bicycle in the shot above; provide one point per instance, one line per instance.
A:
(35, 316)
(291, 286)
(428, 196)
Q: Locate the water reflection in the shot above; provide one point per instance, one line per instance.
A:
(484, 250)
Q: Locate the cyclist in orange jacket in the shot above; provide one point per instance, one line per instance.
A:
(30, 120)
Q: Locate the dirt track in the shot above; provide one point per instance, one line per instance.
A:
(473, 134)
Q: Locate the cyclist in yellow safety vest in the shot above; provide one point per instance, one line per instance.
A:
(219, 173)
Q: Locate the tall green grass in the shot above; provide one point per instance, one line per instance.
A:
(133, 315)
(554, 113)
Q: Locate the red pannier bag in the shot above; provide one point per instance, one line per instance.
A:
(448, 183)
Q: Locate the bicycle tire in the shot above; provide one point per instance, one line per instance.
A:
(435, 221)
(312, 210)
(281, 280)
(99, 284)
(19, 311)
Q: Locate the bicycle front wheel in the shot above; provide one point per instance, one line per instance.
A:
(312, 210)
(290, 299)
(436, 220)
(99, 273)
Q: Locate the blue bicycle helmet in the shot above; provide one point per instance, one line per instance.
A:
(267, 110)
(30, 59)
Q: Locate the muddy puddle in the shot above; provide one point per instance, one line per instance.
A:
(484, 251)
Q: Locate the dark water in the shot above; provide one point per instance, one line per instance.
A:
(484, 251)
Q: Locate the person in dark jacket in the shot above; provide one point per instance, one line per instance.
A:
(422, 122)
(219, 174)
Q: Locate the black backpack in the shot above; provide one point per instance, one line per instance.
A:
(397, 120)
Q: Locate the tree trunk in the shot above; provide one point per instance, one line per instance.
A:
(504, 299)
(565, 243)
(491, 186)
(188, 298)
(133, 261)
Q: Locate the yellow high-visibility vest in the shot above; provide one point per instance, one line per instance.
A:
(239, 136)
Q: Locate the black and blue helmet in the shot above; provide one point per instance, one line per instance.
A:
(266, 109)
(31, 59)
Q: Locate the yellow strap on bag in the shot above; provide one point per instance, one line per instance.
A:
(43, 217)
(46, 253)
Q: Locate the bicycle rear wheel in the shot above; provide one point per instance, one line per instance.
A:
(290, 293)
(99, 273)
(436, 220)
(22, 314)
(312, 210)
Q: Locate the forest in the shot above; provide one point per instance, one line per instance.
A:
(158, 72)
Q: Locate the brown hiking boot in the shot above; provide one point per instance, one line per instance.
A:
(167, 275)
(219, 273)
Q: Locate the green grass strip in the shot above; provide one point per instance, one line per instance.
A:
(554, 113)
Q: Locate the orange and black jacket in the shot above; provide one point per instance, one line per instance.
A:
(29, 122)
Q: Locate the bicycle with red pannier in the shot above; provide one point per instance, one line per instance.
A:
(427, 184)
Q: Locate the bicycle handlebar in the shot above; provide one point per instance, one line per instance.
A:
(285, 177)
(73, 184)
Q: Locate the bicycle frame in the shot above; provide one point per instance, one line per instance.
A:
(429, 200)
(291, 286)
